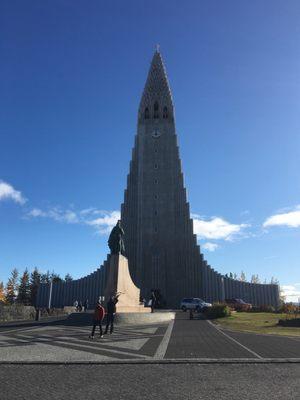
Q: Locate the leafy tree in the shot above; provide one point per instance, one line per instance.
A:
(68, 278)
(11, 287)
(243, 276)
(2, 294)
(24, 289)
(35, 280)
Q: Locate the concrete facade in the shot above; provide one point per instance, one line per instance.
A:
(160, 245)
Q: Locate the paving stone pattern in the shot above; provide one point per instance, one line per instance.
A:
(70, 343)
(182, 339)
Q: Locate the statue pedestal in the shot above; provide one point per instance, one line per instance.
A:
(119, 280)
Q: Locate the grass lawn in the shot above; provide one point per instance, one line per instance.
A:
(258, 323)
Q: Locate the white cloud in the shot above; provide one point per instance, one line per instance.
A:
(291, 292)
(36, 212)
(103, 224)
(217, 228)
(55, 213)
(290, 218)
(210, 246)
(8, 192)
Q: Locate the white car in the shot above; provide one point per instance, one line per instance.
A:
(194, 303)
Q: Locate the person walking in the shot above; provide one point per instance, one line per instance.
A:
(153, 300)
(97, 319)
(110, 312)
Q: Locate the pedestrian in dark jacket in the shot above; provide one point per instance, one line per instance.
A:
(97, 319)
(110, 312)
(153, 300)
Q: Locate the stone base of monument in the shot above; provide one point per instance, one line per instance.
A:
(123, 318)
(119, 281)
(136, 319)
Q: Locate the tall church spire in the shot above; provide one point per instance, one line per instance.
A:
(156, 101)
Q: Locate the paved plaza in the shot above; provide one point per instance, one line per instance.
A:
(179, 339)
(180, 359)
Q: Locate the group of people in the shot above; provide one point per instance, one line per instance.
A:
(79, 307)
(99, 315)
(110, 312)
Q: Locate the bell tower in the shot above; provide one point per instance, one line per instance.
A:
(160, 245)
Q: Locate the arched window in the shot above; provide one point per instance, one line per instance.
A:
(147, 113)
(156, 115)
(165, 113)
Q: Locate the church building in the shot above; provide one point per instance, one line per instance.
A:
(160, 244)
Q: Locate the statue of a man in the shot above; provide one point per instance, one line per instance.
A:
(115, 241)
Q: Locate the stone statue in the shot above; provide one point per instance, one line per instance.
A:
(115, 241)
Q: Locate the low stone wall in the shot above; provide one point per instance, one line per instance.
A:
(16, 312)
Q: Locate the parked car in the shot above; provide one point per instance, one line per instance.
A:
(194, 303)
(238, 304)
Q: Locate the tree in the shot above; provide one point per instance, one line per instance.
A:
(68, 278)
(243, 276)
(24, 289)
(35, 280)
(11, 287)
(282, 296)
(46, 278)
(55, 277)
(255, 279)
(274, 281)
(2, 295)
(231, 275)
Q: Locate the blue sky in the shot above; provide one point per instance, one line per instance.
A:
(71, 77)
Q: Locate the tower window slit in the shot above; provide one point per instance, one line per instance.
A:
(147, 113)
(165, 113)
(156, 108)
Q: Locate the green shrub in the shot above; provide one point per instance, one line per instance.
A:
(289, 308)
(295, 322)
(263, 308)
(217, 311)
(266, 308)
